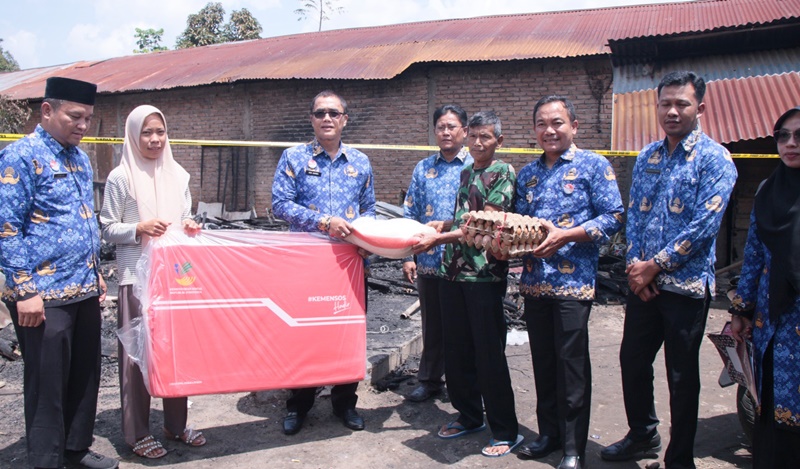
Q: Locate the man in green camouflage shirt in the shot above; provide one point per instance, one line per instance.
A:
(472, 295)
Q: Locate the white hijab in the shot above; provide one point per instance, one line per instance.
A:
(158, 186)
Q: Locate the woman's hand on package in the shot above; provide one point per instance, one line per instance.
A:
(191, 227)
(154, 228)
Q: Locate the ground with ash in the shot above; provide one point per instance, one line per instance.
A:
(243, 429)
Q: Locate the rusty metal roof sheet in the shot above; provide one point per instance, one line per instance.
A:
(638, 77)
(386, 51)
(738, 109)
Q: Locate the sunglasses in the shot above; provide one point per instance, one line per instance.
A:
(782, 136)
(320, 114)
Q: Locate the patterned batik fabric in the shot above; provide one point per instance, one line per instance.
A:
(579, 190)
(676, 206)
(752, 300)
(479, 188)
(50, 241)
(432, 196)
(310, 185)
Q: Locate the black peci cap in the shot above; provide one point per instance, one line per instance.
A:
(70, 90)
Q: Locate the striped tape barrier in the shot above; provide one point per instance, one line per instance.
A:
(364, 146)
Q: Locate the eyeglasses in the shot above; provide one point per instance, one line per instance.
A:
(452, 128)
(320, 113)
(782, 136)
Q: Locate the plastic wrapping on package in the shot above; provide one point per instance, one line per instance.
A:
(230, 311)
(391, 238)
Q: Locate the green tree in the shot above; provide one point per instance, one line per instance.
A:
(207, 27)
(148, 40)
(7, 61)
(242, 26)
(318, 9)
(13, 114)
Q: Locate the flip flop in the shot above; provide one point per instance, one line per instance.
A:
(461, 430)
(511, 445)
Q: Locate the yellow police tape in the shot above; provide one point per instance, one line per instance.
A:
(364, 146)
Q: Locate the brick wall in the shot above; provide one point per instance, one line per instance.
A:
(395, 112)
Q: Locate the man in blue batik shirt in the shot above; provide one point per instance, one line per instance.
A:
(681, 186)
(322, 186)
(431, 197)
(575, 193)
(49, 248)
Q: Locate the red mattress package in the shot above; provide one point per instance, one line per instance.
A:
(230, 311)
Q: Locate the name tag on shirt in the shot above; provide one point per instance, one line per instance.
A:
(652, 171)
(59, 175)
(313, 172)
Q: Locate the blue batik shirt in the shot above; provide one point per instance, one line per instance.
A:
(579, 190)
(676, 206)
(432, 196)
(310, 185)
(50, 241)
(752, 300)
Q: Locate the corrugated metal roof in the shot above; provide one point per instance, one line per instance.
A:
(738, 109)
(638, 77)
(386, 51)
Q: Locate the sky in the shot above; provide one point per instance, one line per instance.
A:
(41, 33)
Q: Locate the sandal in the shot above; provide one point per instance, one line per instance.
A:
(495, 443)
(190, 436)
(149, 448)
(460, 430)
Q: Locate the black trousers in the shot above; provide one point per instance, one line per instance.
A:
(61, 379)
(343, 397)
(559, 338)
(773, 447)
(474, 352)
(678, 322)
(431, 363)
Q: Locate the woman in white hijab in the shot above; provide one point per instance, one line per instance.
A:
(144, 195)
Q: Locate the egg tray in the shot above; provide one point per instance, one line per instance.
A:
(510, 234)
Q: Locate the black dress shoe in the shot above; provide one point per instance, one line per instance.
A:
(540, 447)
(292, 423)
(88, 459)
(351, 419)
(628, 448)
(570, 462)
(423, 392)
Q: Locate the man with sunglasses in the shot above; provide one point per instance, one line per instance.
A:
(322, 186)
(681, 186)
(431, 197)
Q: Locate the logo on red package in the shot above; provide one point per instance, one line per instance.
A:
(184, 279)
(340, 302)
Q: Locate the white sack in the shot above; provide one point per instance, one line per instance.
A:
(387, 238)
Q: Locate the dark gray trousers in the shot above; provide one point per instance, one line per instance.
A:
(431, 363)
(474, 351)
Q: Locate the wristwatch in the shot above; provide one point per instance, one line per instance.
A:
(325, 223)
